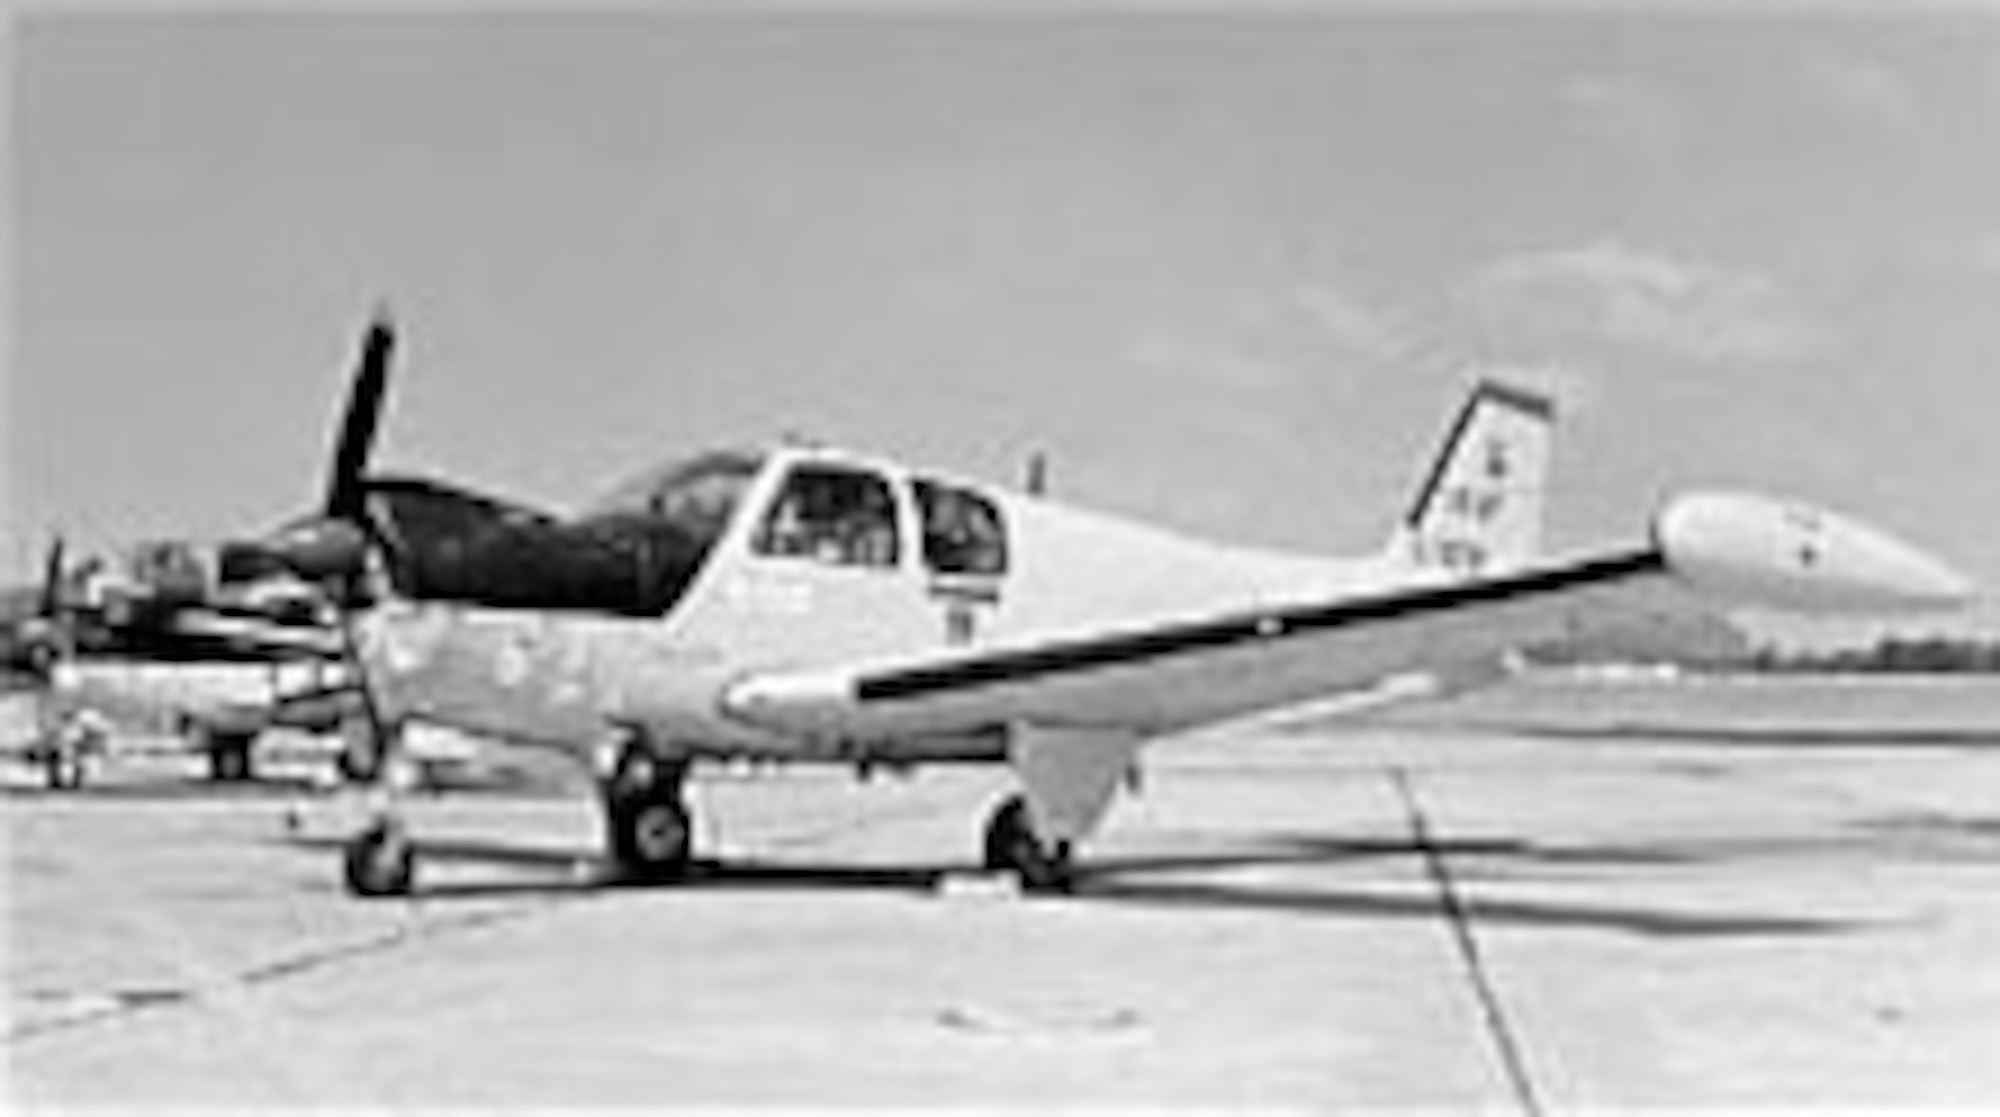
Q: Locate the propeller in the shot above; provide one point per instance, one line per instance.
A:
(345, 493)
(43, 638)
(52, 569)
(330, 548)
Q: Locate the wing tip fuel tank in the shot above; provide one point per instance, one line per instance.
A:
(1758, 550)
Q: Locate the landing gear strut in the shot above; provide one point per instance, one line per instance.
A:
(1011, 845)
(69, 746)
(62, 766)
(381, 860)
(648, 828)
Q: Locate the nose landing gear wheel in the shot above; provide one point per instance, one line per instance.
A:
(380, 862)
(1011, 845)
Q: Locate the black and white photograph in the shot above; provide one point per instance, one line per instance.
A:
(1305, 555)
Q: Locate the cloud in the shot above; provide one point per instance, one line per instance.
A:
(1343, 320)
(1611, 294)
(1626, 112)
(1981, 253)
(1206, 362)
(1862, 90)
(1273, 340)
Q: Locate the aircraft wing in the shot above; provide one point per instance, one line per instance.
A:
(1706, 552)
(200, 635)
(1199, 670)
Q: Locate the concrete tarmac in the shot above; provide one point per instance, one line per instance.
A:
(1645, 922)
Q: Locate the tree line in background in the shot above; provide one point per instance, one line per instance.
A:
(1889, 654)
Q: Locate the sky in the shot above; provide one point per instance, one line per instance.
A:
(1228, 267)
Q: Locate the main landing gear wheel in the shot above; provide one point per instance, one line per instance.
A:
(1011, 845)
(229, 756)
(380, 861)
(648, 827)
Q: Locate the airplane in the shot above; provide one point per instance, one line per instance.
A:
(103, 656)
(152, 644)
(804, 603)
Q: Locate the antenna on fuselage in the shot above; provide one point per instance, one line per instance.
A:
(1038, 474)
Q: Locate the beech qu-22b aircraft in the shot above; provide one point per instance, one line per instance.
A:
(802, 603)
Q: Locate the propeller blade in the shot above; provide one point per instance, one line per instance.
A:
(42, 639)
(344, 494)
(52, 571)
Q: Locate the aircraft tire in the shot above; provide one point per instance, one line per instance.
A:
(1011, 846)
(651, 836)
(380, 861)
(229, 756)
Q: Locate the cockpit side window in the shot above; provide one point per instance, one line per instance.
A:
(963, 531)
(832, 514)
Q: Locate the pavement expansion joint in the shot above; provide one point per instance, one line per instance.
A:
(51, 1010)
(57, 1010)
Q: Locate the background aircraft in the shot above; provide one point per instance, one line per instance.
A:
(801, 603)
(150, 641)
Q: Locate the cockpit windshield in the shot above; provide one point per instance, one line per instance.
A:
(696, 494)
(635, 552)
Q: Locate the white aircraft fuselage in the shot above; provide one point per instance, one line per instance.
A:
(1090, 620)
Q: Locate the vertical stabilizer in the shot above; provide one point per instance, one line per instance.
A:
(1480, 508)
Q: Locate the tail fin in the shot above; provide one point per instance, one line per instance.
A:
(1480, 507)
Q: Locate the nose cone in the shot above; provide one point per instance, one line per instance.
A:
(1786, 555)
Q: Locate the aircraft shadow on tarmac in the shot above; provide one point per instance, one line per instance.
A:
(1136, 880)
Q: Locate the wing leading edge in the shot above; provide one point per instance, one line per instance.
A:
(1182, 674)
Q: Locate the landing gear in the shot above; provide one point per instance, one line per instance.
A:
(648, 828)
(69, 746)
(380, 861)
(62, 766)
(360, 758)
(1011, 845)
(229, 759)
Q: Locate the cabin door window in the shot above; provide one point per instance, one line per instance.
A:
(833, 515)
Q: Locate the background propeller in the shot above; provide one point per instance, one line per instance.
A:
(45, 635)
